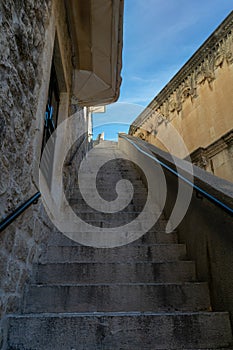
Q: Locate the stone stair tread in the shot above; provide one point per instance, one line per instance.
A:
(139, 245)
(118, 297)
(111, 284)
(152, 253)
(97, 212)
(105, 183)
(151, 237)
(84, 207)
(118, 313)
(106, 189)
(114, 263)
(56, 273)
(135, 245)
(120, 331)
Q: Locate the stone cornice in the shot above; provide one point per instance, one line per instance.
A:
(201, 156)
(200, 67)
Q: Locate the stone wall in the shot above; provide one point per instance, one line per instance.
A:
(30, 31)
(76, 154)
(206, 228)
(22, 39)
(198, 102)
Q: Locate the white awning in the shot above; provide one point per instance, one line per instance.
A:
(96, 31)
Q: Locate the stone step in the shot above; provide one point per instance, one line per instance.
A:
(111, 186)
(115, 222)
(120, 331)
(139, 197)
(104, 190)
(71, 273)
(128, 253)
(152, 237)
(118, 175)
(103, 183)
(107, 218)
(115, 297)
(120, 167)
(83, 207)
(113, 174)
(156, 237)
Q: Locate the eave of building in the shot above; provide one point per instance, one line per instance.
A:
(207, 48)
(96, 30)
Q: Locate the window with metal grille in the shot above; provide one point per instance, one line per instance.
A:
(50, 124)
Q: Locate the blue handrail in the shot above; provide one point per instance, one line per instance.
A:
(205, 194)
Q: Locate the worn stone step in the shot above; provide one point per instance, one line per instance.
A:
(117, 297)
(139, 198)
(116, 221)
(83, 207)
(104, 190)
(156, 237)
(128, 253)
(109, 219)
(120, 168)
(59, 239)
(119, 175)
(112, 186)
(103, 182)
(113, 174)
(71, 273)
(120, 331)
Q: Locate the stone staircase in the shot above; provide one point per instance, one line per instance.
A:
(140, 296)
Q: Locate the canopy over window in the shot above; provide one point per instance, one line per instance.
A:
(96, 32)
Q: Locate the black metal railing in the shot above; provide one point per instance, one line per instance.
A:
(18, 211)
(33, 200)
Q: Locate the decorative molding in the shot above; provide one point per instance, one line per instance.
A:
(198, 70)
(143, 135)
(202, 156)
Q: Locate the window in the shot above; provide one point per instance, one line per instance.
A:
(50, 124)
(52, 107)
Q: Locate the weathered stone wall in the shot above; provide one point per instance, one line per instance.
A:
(31, 33)
(23, 27)
(198, 102)
(206, 228)
(76, 154)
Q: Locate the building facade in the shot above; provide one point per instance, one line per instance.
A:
(198, 102)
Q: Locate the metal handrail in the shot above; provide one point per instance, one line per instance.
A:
(205, 194)
(33, 200)
(18, 211)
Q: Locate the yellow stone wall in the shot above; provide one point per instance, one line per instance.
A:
(198, 102)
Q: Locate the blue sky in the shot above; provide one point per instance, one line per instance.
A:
(159, 37)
